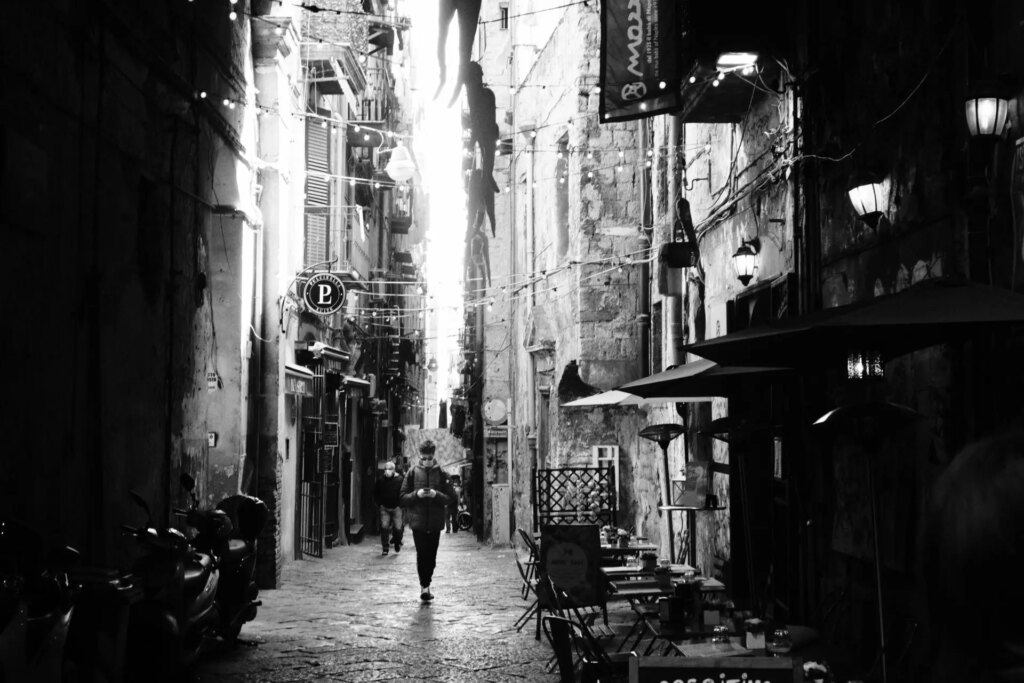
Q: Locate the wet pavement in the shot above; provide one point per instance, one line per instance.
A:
(356, 616)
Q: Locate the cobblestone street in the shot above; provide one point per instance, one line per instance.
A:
(356, 616)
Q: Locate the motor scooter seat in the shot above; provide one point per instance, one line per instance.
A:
(237, 549)
(197, 571)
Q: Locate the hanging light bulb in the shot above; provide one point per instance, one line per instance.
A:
(401, 166)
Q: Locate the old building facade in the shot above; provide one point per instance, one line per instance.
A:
(758, 160)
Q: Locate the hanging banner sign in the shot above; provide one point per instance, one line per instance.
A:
(641, 74)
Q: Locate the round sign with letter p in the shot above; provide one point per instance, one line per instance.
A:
(324, 293)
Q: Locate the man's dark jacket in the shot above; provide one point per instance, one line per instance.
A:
(386, 490)
(426, 514)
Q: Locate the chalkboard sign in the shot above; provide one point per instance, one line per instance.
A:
(571, 554)
(715, 670)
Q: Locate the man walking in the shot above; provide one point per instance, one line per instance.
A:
(386, 494)
(425, 492)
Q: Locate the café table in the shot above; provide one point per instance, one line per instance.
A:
(633, 571)
(685, 640)
(705, 648)
(614, 553)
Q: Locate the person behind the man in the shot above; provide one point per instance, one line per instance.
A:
(425, 492)
(386, 492)
(452, 523)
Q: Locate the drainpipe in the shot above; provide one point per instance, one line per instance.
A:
(644, 316)
(674, 304)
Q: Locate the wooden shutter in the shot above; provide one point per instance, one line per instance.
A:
(317, 223)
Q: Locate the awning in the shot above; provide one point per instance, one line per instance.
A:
(351, 381)
(931, 312)
(697, 378)
(298, 380)
(621, 398)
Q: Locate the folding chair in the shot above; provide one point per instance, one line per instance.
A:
(534, 607)
(559, 633)
(587, 615)
(595, 665)
(532, 561)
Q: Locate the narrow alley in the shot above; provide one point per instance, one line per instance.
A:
(356, 616)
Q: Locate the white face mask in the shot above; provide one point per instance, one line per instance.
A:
(389, 471)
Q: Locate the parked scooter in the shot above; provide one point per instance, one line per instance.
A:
(176, 619)
(229, 533)
(36, 604)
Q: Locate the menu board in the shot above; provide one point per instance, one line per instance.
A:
(570, 554)
(715, 670)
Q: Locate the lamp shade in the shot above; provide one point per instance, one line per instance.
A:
(986, 115)
(745, 260)
(864, 364)
(401, 166)
(869, 201)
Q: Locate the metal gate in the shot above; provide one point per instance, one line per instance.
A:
(311, 526)
(574, 495)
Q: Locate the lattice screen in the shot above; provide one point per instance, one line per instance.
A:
(574, 495)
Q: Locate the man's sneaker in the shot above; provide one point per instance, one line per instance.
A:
(398, 547)
(425, 594)
(384, 551)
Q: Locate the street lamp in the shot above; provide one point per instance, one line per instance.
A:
(745, 261)
(869, 199)
(432, 364)
(986, 115)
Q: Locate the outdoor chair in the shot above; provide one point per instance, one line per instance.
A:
(595, 665)
(559, 633)
(532, 562)
(534, 607)
(588, 615)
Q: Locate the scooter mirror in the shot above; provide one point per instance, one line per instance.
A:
(141, 503)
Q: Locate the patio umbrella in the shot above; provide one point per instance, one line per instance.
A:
(871, 422)
(930, 312)
(615, 397)
(697, 378)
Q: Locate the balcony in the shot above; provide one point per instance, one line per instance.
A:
(335, 69)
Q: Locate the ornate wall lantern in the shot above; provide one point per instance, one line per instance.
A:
(986, 115)
(869, 198)
(745, 260)
(864, 364)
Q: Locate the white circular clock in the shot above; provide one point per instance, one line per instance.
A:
(494, 411)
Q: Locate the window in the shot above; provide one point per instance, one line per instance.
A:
(503, 15)
(608, 456)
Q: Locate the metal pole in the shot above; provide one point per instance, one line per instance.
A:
(878, 567)
(665, 489)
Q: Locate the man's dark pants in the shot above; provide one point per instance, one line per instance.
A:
(426, 554)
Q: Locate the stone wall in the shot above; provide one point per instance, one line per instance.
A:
(118, 211)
